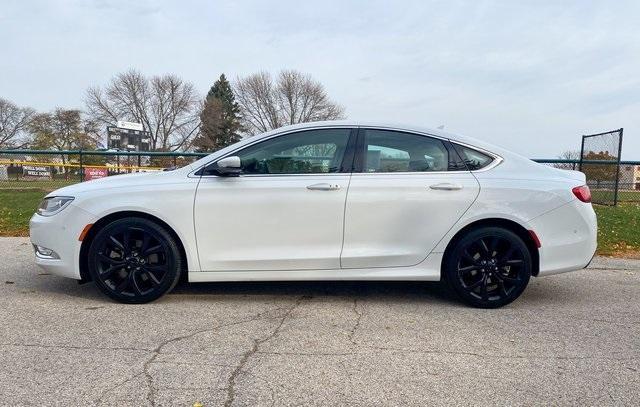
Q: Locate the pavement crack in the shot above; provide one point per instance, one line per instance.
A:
(355, 327)
(157, 351)
(231, 382)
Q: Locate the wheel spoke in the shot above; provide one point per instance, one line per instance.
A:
(468, 268)
(475, 284)
(123, 284)
(117, 243)
(484, 247)
(503, 289)
(152, 277)
(492, 246)
(106, 274)
(152, 250)
(134, 283)
(503, 259)
(126, 240)
(513, 262)
(110, 260)
(145, 243)
(469, 257)
(483, 288)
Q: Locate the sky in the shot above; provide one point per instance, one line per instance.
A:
(531, 76)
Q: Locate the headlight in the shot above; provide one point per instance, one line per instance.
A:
(54, 204)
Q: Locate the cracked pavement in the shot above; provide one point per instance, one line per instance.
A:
(571, 339)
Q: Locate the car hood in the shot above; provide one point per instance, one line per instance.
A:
(118, 181)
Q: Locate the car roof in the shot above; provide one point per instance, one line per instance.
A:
(392, 126)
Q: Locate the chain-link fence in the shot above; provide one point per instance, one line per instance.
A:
(600, 161)
(49, 170)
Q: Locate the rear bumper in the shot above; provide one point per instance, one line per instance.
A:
(60, 233)
(568, 236)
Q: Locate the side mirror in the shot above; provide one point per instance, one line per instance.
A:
(229, 166)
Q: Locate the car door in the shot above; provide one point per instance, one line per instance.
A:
(407, 191)
(286, 209)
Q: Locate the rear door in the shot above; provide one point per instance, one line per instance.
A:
(407, 191)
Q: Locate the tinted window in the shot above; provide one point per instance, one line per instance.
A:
(472, 158)
(306, 152)
(391, 151)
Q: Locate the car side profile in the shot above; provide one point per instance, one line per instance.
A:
(325, 201)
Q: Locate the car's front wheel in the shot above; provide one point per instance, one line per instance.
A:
(134, 260)
(488, 267)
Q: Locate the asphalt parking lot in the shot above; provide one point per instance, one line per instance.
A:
(572, 339)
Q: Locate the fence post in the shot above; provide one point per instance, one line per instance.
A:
(581, 154)
(175, 162)
(81, 168)
(615, 194)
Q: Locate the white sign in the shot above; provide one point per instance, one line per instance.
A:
(4, 175)
(130, 125)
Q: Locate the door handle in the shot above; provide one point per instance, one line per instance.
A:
(445, 186)
(323, 187)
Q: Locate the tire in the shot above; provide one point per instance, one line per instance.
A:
(489, 267)
(134, 260)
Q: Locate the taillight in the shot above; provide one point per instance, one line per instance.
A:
(582, 193)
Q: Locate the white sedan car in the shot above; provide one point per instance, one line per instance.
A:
(325, 201)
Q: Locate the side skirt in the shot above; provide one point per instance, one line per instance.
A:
(428, 270)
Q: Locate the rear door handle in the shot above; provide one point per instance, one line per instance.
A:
(445, 186)
(323, 187)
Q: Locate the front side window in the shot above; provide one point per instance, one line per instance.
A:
(392, 151)
(306, 152)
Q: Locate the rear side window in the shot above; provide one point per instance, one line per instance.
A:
(391, 151)
(473, 159)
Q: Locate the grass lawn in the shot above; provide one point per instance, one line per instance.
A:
(618, 227)
(16, 208)
(618, 230)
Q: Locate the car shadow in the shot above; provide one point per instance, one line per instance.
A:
(389, 290)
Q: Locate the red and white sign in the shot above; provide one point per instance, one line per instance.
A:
(94, 173)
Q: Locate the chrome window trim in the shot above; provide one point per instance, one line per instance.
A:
(497, 160)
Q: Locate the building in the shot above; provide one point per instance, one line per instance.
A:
(629, 177)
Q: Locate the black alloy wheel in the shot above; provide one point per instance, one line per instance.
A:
(489, 267)
(134, 260)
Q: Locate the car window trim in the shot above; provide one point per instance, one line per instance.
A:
(347, 158)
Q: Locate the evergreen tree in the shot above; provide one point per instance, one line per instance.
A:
(219, 119)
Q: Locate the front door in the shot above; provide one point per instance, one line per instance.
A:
(284, 212)
(409, 191)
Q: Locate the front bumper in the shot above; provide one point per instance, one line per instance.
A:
(60, 233)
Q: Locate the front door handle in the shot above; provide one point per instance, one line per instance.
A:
(323, 187)
(445, 186)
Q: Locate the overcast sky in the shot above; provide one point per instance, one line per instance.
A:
(531, 76)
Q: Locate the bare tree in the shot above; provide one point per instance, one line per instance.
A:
(14, 123)
(291, 98)
(568, 155)
(167, 106)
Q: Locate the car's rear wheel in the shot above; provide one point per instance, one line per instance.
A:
(134, 260)
(488, 267)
